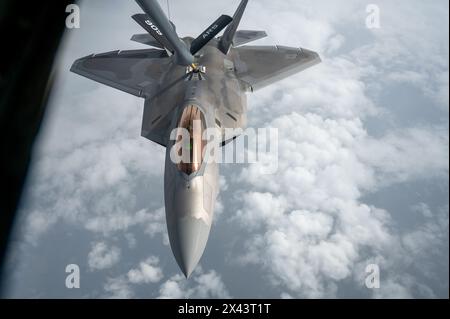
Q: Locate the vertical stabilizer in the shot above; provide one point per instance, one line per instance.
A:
(227, 40)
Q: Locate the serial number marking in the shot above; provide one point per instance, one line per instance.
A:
(226, 309)
(154, 27)
(246, 308)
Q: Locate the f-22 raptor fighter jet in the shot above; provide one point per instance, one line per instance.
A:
(187, 80)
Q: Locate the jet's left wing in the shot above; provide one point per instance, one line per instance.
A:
(136, 72)
(259, 66)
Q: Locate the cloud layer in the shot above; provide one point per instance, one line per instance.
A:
(362, 179)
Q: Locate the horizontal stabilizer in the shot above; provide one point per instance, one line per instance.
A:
(147, 39)
(246, 36)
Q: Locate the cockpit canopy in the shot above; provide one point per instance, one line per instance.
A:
(192, 121)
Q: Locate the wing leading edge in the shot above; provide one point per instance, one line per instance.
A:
(260, 66)
(136, 72)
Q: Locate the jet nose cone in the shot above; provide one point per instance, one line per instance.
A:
(188, 243)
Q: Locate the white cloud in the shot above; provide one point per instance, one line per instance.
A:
(411, 47)
(38, 223)
(430, 235)
(316, 161)
(328, 161)
(152, 222)
(407, 154)
(201, 286)
(315, 229)
(334, 89)
(118, 288)
(103, 256)
(147, 272)
(265, 206)
(393, 290)
(172, 289)
(423, 209)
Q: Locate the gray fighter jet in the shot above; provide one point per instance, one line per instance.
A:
(187, 80)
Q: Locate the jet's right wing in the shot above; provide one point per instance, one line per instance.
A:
(259, 66)
(136, 72)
